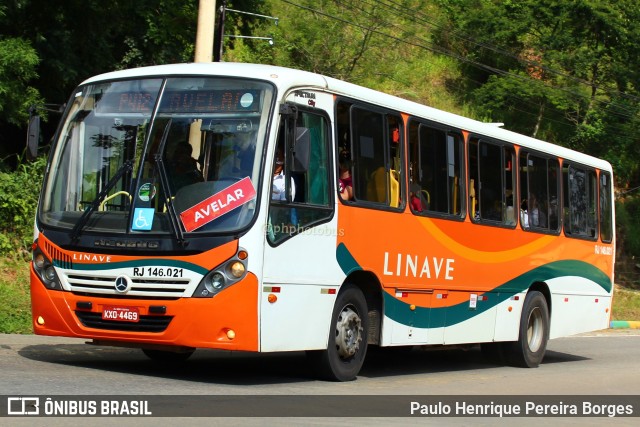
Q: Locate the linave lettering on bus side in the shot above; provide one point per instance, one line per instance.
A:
(91, 257)
(222, 202)
(406, 265)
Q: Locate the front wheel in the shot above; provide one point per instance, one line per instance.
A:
(347, 347)
(529, 350)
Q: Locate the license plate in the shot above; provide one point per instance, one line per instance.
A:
(121, 314)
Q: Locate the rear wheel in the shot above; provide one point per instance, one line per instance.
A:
(347, 347)
(529, 350)
(167, 356)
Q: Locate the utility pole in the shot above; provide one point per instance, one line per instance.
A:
(204, 53)
(218, 39)
(204, 32)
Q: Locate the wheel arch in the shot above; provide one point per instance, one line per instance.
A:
(543, 288)
(371, 287)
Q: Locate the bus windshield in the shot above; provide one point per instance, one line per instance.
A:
(132, 156)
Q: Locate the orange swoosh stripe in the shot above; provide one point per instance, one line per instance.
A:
(483, 256)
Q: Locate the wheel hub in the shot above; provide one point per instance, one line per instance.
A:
(348, 333)
(534, 330)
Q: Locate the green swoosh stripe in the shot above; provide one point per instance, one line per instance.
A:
(137, 263)
(346, 261)
(566, 268)
(423, 317)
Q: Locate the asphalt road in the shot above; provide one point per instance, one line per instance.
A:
(597, 364)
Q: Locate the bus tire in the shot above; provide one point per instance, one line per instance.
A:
(529, 350)
(347, 347)
(167, 356)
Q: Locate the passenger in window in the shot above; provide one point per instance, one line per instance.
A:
(184, 168)
(491, 205)
(553, 213)
(415, 200)
(494, 213)
(345, 181)
(510, 216)
(245, 149)
(524, 213)
(395, 134)
(537, 217)
(278, 188)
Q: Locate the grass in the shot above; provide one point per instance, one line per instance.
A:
(15, 312)
(626, 304)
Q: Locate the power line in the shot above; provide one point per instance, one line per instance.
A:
(439, 50)
(629, 113)
(413, 14)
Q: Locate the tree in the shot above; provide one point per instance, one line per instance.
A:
(564, 71)
(377, 44)
(18, 62)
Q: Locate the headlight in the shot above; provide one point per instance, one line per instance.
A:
(223, 276)
(215, 282)
(38, 261)
(45, 270)
(50, 273)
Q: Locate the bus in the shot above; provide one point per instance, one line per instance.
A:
(256, 208)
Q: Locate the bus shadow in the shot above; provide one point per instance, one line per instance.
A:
(559, 357)
(204, 366)
(245, 369)
(384, 362)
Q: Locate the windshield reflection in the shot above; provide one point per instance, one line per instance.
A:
(186, 138)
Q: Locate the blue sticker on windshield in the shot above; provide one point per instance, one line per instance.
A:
(142, 219)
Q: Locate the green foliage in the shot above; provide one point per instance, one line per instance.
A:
(628, 224)
(626, 304)
(18, 61)
(15, 315)
(19, 191)
(563, 71)
(161, 37)
(363, 42)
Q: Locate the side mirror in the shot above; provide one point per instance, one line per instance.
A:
(33, 136)
(301, 149)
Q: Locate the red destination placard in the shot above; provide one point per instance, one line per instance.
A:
(222, 202)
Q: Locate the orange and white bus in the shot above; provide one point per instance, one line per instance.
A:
(263, 209)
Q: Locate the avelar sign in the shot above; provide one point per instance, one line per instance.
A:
(219, 204)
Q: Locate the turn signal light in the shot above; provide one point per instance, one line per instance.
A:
(237, 269)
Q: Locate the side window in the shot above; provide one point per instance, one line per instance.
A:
(606, 211)
(579, 186)
(367, 141)
(539, 193)
(491, 182)
(300, 197)
(435, 167)
(553, 181)
(393, 147)
(369, 155)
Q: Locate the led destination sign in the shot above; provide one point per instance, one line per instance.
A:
(185, 101)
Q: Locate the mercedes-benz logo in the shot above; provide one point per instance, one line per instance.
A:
(123, 284)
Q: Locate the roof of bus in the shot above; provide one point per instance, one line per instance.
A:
(287, 79)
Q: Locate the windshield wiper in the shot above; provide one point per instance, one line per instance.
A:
(127, 167)
(166, 188)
